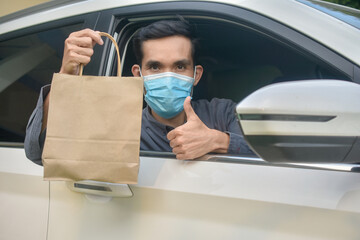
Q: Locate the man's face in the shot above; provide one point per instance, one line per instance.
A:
(169, 54)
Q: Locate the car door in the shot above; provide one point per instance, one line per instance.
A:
(28, 58)
(220, 196)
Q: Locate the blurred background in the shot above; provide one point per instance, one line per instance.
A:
(7, 7)
(349, 3)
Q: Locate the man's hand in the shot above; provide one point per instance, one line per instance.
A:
(79, 49)
(194, 139)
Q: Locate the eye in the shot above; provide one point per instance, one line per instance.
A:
(154, 68)
(180, 67)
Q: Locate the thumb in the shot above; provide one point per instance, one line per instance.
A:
(189, 111)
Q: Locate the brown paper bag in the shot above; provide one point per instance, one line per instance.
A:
(93, 129)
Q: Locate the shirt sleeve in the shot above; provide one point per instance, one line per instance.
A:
(237, 143)
(34, 138)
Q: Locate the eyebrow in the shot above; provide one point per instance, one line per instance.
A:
(185, 62)
(153, 63)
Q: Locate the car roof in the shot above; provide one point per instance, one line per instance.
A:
(331, 32)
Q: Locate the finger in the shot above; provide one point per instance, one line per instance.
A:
(79, 58)
(182, 156)
(94, 35)
(172, 143)
(85, 42)
(189, 111)
(97, 38)
(178, 150)
(80, 50)
(176, 142)
(171, 135)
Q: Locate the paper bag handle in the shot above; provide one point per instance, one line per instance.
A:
(117, 52)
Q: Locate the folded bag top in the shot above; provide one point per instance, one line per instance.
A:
(94, 126)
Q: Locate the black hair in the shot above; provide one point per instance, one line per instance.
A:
(161, 29)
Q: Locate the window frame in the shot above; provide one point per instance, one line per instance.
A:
(87, 20)
(249, 19)
(273, 29)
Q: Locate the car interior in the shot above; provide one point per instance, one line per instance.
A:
(238, 60)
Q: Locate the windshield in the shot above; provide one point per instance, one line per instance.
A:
(345, 14)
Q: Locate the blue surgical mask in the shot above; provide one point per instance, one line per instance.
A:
(166, 92)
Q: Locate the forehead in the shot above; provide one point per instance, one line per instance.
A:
(167, 49)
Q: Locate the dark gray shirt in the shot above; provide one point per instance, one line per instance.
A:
(217, 114)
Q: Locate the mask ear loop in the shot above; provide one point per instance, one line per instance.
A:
(192, 88)
(140, 72)
(144, 92)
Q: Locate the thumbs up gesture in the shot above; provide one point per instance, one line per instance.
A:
(194, 139)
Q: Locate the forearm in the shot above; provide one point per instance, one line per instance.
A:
(35, 136)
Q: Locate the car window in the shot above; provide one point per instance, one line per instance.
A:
(238, 60)
(26, 64)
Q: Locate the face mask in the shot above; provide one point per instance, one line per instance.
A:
(166, 92)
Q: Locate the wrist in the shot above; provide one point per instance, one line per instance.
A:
(221, 141)
(70, 69)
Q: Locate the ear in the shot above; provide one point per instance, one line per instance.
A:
(198, 74)
(136, 70)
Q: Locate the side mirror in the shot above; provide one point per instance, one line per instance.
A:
(310, 121)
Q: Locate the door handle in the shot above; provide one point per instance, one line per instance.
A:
(101, 188)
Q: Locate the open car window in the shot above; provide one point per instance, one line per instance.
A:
(238, 59)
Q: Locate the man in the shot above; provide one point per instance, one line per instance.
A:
(171, 122)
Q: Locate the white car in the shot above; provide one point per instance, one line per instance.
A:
(301, 185)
